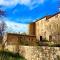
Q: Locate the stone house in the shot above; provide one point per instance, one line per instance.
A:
(47, 28)
(15, 39)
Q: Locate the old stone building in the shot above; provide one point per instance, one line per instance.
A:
(15, 39)
(32, 29)
(48, 28)
(40, 29)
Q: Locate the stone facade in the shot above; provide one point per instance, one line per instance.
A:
(40, 28)
(48, 28)
(32, 29)
(15, 39)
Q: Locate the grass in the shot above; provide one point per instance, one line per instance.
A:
(39, 43)
(4, 55)
(58, 57)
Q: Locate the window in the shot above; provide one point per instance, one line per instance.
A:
(50, 38)
(29, 39)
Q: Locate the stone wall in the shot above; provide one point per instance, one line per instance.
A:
(42, 53)
(32, 29)
(48, 27)
(20, 39)
(41, 28)
(37, 52)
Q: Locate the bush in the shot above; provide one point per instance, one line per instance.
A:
(55, 45)
(58, 57)
(10, 56)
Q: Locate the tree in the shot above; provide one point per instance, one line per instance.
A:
(24, 33)
(2, 28)
(2, 23)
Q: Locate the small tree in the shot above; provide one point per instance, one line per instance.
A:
(2, 26)
(2, 23)
(24, 33)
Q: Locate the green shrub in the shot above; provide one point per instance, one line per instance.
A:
(10, 56)
(58, 57)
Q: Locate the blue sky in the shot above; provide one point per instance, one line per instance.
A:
(27, 11)
(14, 27)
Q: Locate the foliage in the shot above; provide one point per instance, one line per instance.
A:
(24, 33)
(58, 57)
(23, 42)
(10, 56)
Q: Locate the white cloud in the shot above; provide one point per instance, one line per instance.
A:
(59, 9)
(41, 1)
(8, 2)
(29, 3)
(25, 2)
(14, 2)
(16, 27)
